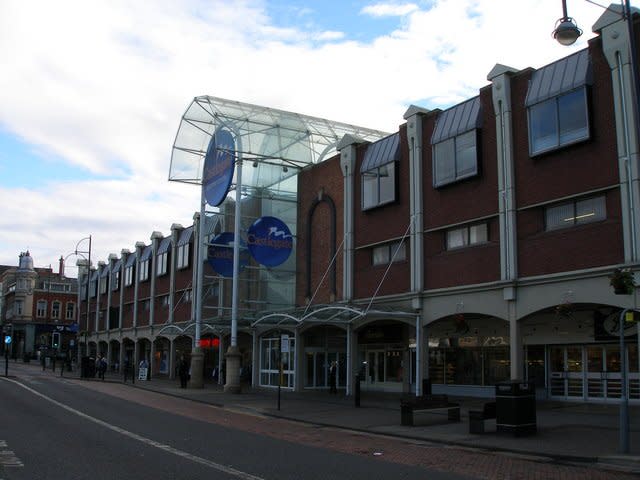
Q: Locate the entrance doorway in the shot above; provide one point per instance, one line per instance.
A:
(317, 368)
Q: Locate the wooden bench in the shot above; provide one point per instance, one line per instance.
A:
(437, 407)
(477, 417)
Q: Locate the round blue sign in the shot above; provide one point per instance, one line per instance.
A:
(219, 166)
(269, 241)
(220, 254)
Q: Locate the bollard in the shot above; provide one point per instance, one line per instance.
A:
(356, 390)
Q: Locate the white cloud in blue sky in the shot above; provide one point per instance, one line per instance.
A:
(92, 92)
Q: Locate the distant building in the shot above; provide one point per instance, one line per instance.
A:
(38, 308)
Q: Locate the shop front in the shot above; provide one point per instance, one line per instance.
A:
(324, 345)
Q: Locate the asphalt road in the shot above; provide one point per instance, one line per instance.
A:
(52, 428)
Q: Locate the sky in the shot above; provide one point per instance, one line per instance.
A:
(92, 92)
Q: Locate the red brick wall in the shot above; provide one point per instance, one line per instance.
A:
(568, 171)
(326, 177)
(460, 202)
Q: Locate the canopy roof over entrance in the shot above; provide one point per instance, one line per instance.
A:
(276, 142)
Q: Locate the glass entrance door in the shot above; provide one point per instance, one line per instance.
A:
(566, 372)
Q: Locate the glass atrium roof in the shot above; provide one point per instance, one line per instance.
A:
(275, 143)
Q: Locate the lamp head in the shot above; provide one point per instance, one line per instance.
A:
(566, 31)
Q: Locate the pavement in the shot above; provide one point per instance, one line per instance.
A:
(570, 433)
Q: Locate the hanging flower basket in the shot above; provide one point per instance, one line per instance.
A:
(622, 281)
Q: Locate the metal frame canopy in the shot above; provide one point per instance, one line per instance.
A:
(277, 142)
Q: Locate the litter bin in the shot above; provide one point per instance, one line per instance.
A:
(516, 408)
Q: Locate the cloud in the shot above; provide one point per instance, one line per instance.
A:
(389, 9)
(101, 87)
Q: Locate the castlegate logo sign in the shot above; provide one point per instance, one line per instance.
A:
(219, 167)
(269, 241)
(220, 254)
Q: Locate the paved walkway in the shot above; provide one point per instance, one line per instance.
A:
(566, 432)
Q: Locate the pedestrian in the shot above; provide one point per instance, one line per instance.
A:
(332, 377)
(127, 367)
(102, 366)
(183, 371)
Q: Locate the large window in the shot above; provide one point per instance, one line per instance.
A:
(455, 158)
(558, 121)
(379, 186)
(41, 309)
(575, 212)
(183, 256)
(466, 236)
(128, 276)
(144, 270)
(161, 265)
(115, 280)
(391, 252)
(71, 311)
(55, 309)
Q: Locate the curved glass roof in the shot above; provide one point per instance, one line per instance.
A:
(274, 144)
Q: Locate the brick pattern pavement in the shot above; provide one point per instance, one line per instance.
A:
(465, 461)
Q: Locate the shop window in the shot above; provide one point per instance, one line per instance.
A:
(41, 309)
(558, 121)
(467, 236)
(270, 358)
(575, 212)
(389, 253)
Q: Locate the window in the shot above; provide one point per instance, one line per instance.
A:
(115, 280)
(161, 265)
(71, 311)
(575, 212)
(558, 121)
(128, 276)
(391, 252)
(183, 256)
(379, 186)
(103, 285)
(467, 236)
(41, 309)
(55, 309)
(144, 270)
(164, 300)
(188, 296)
(146, 305)
(455, 158)
(92, 288)
(19, 307)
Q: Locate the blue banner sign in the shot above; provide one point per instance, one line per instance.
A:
(270, 241)
(220, 254)
(219, 166)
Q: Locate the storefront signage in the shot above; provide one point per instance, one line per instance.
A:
(607, 327)
(270, 241)
(220, 254)
(219, 166)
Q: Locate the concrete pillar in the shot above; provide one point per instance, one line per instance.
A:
(516, 351)
(152, 357)
(172, 358)
(255, 359)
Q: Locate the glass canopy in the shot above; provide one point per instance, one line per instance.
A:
(276, 143)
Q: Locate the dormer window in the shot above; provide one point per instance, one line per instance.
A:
(378, 172)
(455, 143)
(557, 104)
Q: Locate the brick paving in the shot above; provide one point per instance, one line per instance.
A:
(477, 463)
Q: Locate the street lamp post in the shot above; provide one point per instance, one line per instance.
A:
(88, 276)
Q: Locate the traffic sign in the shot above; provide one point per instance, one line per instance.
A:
(7, 339)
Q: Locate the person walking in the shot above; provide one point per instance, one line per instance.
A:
(183, 371)
(332, 377)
